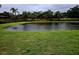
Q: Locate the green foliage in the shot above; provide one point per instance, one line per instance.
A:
(14, 11)
(57, 15)
(48, 15)
(73, 12)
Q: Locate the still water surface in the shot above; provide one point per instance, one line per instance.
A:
(45, 27)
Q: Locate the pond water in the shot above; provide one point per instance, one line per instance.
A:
(45, 27)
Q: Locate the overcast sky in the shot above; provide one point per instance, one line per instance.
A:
(36, 7)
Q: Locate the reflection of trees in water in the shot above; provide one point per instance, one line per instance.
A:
(43, 26)
(49, 26)
(25, 27)
(36, 26)
(15, 27)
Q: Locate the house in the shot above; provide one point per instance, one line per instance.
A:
(4, 15)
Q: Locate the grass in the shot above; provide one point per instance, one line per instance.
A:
(38, 43)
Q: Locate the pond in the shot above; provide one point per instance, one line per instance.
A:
(45, 27)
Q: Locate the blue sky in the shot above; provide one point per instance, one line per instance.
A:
(36, 7)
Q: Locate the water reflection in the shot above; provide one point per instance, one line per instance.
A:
(45, 27)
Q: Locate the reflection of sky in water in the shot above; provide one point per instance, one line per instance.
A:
(44, 27)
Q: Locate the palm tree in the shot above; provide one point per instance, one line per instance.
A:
(14, 11)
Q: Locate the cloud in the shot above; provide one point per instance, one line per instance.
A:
(37, 7)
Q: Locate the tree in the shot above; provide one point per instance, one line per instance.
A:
(35, 15)
(39, 15)
(14, 13)
(24, 15)
(47, 14)
(57, 15)
(64, 15)
(0, 5)
(6, 13)
(73, 12)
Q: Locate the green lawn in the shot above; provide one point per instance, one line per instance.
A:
(48, 43)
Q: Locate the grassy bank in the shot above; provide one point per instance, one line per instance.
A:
(50, 42)
(41, 20)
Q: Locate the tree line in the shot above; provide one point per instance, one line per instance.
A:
(14, 14)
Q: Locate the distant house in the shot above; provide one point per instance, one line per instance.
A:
(4, 15)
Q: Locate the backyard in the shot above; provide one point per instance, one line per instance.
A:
(48, 43)
(39, 29)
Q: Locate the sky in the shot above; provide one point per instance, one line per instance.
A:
(36, 7)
